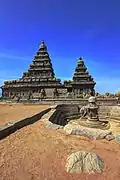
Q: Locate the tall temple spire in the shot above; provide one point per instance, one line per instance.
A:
(40, 75)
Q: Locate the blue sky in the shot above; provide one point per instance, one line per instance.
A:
(70, 28)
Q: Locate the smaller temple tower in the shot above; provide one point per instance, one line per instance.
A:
(82, 82)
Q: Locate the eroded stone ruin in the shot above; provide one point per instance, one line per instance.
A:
(40, 82)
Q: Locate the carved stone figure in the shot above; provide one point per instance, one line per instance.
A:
(69, 95)
(42, 94)
(29, 95)
(91, 111)
(55, 93)
(83, 111)
(18, 97)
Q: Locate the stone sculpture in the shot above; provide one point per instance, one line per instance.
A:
(42, 93)
(55, 93)
(91, 111)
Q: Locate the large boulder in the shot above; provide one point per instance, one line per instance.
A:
(82, 161)
(93, 133)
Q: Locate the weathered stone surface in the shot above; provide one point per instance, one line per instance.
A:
(83, 161)
(115, 110)
(91, 111)
(110, 137)
(46, 123)
(115, 113)
(47, 116)
(54, 126)
(92, 133)
(81, 74)
(53, 107)
(117, 137)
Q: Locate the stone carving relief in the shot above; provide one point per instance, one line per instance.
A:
(42, 94)
(55, 93)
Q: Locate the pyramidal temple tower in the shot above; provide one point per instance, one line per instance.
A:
(38, 81)
(82, 81)
(41, 70)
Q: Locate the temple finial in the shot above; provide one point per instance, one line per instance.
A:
(42, 45)
(42, 42)
(80, 58)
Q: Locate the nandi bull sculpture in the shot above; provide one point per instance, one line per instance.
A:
(91, 111)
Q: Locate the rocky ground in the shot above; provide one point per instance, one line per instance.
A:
(11, 112)
(37, 153)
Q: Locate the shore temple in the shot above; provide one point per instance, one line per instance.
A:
(40, 82)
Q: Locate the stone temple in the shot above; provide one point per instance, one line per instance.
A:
(40, 82)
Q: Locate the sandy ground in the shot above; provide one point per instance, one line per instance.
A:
(37, 153)
(11, 112)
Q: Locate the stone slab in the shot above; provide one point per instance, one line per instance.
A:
(75, 129)
(54, 126)
(84, 162)
(12, 126)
